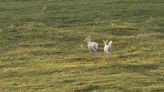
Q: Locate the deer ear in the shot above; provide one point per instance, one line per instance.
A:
(103, 40)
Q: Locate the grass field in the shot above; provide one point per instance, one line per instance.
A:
(47, 53)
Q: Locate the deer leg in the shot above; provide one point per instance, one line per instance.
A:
(94, 54)
(104, 56)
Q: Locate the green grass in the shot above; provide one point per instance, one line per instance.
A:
(47, 53)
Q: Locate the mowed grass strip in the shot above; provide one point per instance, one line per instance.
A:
(46, 52)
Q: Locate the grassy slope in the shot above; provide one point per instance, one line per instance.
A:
(47, 53)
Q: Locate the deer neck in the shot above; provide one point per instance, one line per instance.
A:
(88, 42)
(106, 45)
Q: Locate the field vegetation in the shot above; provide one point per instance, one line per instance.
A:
(47, 53)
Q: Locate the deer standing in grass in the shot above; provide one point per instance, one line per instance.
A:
(107, 48)
(92, 46)
(44, 9)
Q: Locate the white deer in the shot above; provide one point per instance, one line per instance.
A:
(107, 48)
(44, 9)
(92, 46)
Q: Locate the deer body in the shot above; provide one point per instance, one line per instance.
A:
(107, 48)
(92, 46)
